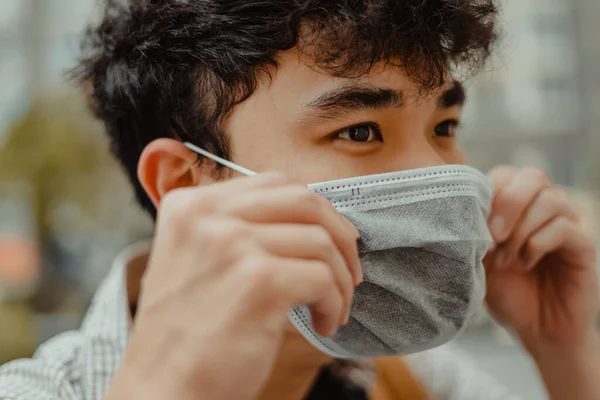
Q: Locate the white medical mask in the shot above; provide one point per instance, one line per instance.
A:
(423, 235)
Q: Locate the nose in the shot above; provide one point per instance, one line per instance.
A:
(420, 154)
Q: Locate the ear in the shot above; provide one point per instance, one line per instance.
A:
(165, 165)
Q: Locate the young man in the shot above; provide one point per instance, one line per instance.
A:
(315, 91)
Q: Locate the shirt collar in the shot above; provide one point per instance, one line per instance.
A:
(108, 318)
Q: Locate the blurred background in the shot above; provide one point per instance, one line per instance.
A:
(66, 208)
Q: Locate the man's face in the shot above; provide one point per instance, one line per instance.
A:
(316, 127)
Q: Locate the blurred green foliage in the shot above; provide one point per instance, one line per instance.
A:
(62, 153)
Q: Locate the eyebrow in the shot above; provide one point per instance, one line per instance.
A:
(455, 96)
(352, 98)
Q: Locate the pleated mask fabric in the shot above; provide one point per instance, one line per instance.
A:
(423, 235)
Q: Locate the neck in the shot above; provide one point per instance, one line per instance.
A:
(135, 269)
(296, 369)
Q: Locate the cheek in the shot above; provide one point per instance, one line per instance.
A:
(455, 155)
(449, 150)
(264, 151)
(273, 145)
(303, 162)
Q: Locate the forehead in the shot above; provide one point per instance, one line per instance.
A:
(298, 72)
(284, 95)
(299, 80)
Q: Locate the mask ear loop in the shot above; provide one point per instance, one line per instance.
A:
(220, 160)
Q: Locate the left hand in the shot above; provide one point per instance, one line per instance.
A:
(541, 274)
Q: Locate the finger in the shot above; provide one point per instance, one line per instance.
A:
(560, 233)
(311, 283)
(511, 201)
(550, 203)
(298, 205)
(204, 199)
(308, 242)
(239, 185)
(502, 175)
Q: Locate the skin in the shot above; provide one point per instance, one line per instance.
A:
(228, 240)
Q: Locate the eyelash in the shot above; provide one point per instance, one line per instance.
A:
(370, 125)
(453, 123)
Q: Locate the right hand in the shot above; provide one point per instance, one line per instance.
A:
(228, 262)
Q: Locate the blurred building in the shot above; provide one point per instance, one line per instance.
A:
(39, 42)
(588, 31)
(529, 109)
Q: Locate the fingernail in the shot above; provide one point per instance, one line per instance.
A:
(497, 227)
(347, 319)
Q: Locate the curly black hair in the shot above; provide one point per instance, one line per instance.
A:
(153, 65)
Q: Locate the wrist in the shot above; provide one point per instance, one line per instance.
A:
(147, 381)
(123, 388)
(143, 377)
(569, 370)
(584, 349)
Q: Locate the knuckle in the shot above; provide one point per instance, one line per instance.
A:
(505, 197)
(205, 231)
(553, 197)
(279, 177)
(324, 281)
(561, 228)
(170, 199)
(561, 192)
(535, 246)
(565, 225)
(256, 272)
(535, 174)
(207, 200)
(502, 171)
(177, 206)
(179, 218)
(172, 206)
(561, 195)
(309, 199)
(511, 198)
(221, 232)
(323, 240)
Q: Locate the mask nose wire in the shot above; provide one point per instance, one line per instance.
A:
(220, 160)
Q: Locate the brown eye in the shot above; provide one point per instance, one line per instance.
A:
(446, 128)
(360, 133)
